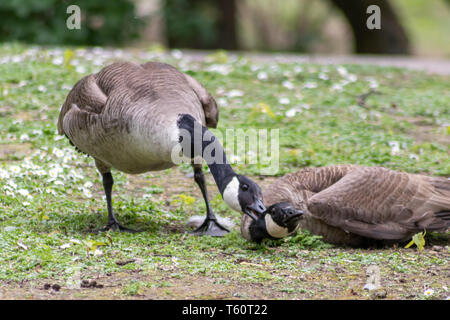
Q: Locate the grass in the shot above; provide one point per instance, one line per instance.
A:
(51, 197)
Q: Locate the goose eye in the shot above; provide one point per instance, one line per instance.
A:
(244, 187)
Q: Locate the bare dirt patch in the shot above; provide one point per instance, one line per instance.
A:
(14, 151)
(326, 281)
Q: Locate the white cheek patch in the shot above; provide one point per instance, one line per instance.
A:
(274, 229)
(231, 194)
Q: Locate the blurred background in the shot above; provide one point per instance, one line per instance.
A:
(413, 27)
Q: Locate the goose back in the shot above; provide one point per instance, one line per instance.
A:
(125, 116)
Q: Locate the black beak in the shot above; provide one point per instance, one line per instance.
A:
(257, 206)
(294, 215)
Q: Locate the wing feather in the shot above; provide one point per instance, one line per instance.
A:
(380, 203)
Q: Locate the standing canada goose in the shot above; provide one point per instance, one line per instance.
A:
(133, 117)
(349, 204)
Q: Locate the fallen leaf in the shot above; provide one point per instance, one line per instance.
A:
(418, 239)
(20, 244)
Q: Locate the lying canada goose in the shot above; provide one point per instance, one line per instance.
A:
(132, 117)
(349, 204)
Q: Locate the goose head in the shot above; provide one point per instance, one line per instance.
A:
(244, 195)
(278, 221)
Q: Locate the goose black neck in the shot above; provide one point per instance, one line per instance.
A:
(196, 140)
(258, 230)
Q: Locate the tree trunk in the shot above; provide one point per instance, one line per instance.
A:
(227, 24)
(390, 39)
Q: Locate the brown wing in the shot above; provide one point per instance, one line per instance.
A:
(298, 186)
(382, 204)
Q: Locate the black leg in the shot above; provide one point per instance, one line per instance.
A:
(210, 226)
(113, 223)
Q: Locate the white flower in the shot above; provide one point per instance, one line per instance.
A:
(395, 147)
(305, 106)
(336, 87)
(80, 69)
(310, 85)
(235, 93)
(298, 69)
(323, 76)
(88, 184)
(27, 164)
(26, 203)
(58, 153)
(428, 292)
(219, 68)
(251, 154)
(352, 78)
(67, 158)
(75, 175)
(342, 71)
(234, 158)
(274, 67)
(23, 192)
(413, 156)
(291, 112)
(58, 183)
(288, 85)
(53, 173)
(222, 102)
(11, 184)
(65, 246)
(87, 193)
(98, 253)
(373, 84)
(4, 174)
(39, 172)
(24, 137)
(57, 138)
(284, 101)
(98, 61)
(58, 60)
(16, 59)
(262, 75)
(37, 132)
(50, 191)
(177, 54)
(41, 88)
